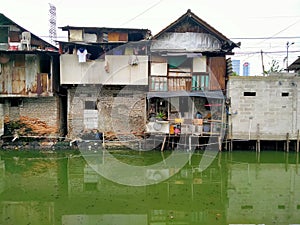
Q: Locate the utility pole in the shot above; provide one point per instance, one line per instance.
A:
(262, 62)
(288, 44)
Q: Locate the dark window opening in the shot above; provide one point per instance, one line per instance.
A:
(15, 102)
(90, 105)
(45, 65)
(249, 93)
(135, 37)
(4, 34)
(284, 94)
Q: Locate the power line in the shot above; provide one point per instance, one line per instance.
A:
(146, 10)
(269, 52)
(255, 38)
(280, 31)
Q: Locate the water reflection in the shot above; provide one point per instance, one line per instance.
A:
(237, 188)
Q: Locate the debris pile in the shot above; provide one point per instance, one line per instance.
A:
(27, 126)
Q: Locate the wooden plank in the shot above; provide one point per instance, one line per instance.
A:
(218, 71)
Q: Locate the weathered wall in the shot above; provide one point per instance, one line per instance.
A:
(28, 75)
(120, 110)
(271, 113)
(43, 111)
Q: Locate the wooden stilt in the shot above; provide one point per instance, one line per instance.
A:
(145, 143)
(231, 143)
(163, 144)
(173, 142)
(297, 144)
(258, 145)
(287, 142)
(103, 140)
(258, 138)
(220, 143)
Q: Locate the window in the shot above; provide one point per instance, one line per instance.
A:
(158, 83)
(90, 105)
(249, 93)
(284, 94)
(200, 82)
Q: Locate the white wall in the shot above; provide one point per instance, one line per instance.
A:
(115, 70)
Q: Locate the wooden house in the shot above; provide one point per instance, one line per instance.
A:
(30, 95)
(187, 77)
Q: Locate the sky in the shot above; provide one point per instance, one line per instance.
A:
(264, 27)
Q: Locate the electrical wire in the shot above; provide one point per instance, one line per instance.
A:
(146, 10)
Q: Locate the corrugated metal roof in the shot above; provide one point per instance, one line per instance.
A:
(170, 94)
(191, 16)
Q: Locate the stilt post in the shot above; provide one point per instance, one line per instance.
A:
(297, 144)
(287, 142)
(258, 138)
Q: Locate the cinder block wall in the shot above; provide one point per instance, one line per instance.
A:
(264, 107)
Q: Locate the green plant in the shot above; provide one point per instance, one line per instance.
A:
(274, 68)
(160, 115)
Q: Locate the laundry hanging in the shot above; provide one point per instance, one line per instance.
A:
(82, 52)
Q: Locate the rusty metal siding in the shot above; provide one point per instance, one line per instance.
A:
(19, 76)
(42, 83)
(5, 78)
(18, 81)
(31, 68)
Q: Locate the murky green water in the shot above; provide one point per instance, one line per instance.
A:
(64, 188)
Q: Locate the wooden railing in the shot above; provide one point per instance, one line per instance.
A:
(196, 82)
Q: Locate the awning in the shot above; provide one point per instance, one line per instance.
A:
(170, 94)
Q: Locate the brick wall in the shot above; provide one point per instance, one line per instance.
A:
(44, 110)
(120, 109)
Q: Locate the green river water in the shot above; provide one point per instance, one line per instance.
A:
(66, 188)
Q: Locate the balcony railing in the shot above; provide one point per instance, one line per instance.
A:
(196, 82)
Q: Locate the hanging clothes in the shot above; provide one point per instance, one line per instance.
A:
(82, 52)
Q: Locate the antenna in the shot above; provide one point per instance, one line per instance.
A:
(52, 24)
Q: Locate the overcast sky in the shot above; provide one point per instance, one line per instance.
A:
(271, 23)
